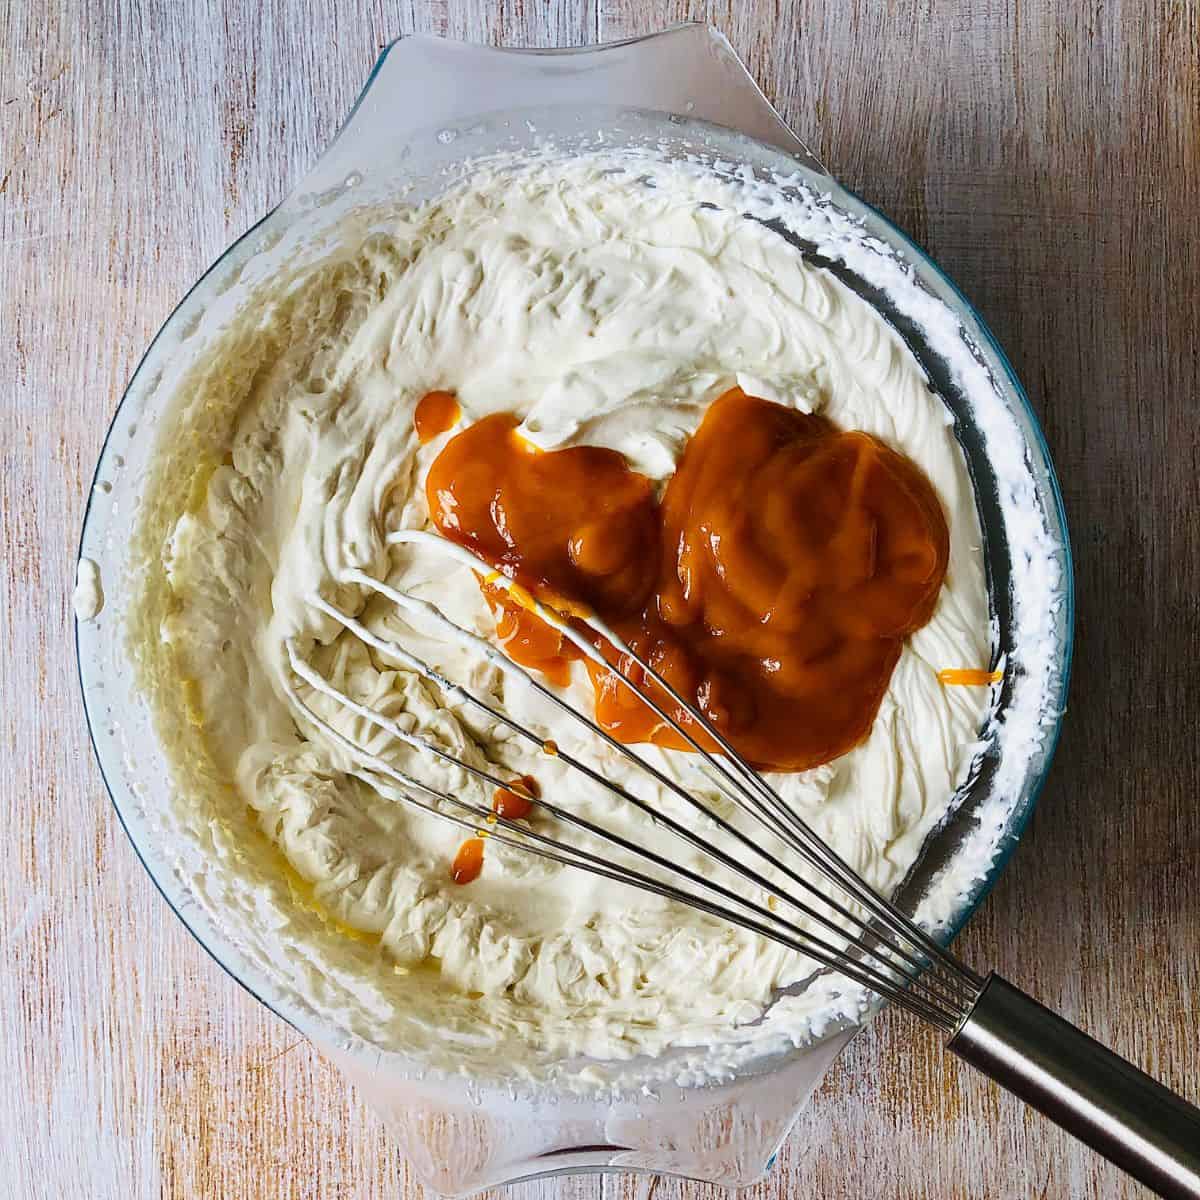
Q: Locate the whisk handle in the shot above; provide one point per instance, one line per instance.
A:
(1106, 1102)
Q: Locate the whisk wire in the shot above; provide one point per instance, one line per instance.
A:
(883, 951)
(880, 948)
(779, 930)
(805, 842)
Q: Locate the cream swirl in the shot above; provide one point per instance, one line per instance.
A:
(600, 311)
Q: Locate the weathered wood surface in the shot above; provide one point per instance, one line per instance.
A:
(1048, 155)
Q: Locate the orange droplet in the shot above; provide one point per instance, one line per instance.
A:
(515, 801)
(436, 412)
(468, 862)
(550, 748)
(968, 677)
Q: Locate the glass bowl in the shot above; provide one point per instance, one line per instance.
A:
(428, 110)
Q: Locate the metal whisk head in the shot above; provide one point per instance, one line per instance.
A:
(823, 909)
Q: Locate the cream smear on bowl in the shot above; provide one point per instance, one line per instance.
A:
(87, 598)
(602, 311)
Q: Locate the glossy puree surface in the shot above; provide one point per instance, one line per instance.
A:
(772, 584)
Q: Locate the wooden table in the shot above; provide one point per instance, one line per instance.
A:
(1048, 156)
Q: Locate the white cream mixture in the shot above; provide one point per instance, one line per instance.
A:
(602, 311)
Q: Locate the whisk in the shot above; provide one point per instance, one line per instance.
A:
(828, 913)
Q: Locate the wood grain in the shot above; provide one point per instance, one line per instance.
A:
(1048, 155)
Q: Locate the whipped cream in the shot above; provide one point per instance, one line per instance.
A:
(601, 311)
